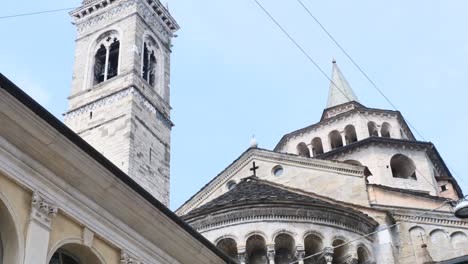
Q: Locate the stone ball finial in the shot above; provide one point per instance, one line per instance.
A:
(253, 142)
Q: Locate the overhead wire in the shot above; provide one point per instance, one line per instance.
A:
(38, 12)
(364, 73)
(323, 72)
(331, 81)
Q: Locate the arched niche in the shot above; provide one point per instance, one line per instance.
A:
(350, 134)
(439, 243)
(303, 150)
(11, 249)
(363, 255)
(459, 240)
(335, 139)
(256, 250)
(417, 236)
(385, 130)
(317, 147)
(285, 249)
(74, 253)
(372, 127)
(313, 244)
(403, 167)
(340, 250)
(229, 246)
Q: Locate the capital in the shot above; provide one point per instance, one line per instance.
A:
(125, 258)
(42, 210)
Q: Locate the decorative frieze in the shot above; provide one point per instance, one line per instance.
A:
(152, 12)
(131, 91)
(42, 210)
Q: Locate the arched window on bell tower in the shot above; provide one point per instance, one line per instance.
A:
(106, 57)
(149, 62)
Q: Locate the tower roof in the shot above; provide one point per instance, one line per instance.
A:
(340, 91)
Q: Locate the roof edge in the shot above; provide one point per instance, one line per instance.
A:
(54, 122)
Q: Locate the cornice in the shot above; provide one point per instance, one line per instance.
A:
(431, 220)
(92, 12)
(286, 213)
(119, 95)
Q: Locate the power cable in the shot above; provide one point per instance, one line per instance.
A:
(355, 64)
(318, 67)
(363, 72)
(37, 13)
(324, 74)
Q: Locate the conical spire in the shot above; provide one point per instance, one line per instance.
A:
(340, 92)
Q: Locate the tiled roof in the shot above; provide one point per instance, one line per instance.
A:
(253, 191)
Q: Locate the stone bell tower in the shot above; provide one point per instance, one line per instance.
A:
(119, 100)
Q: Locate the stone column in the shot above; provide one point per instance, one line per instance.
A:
(328, 255)
(271, 254)
(39, 227)
(300, 253)
(241, 255)
(351, 259)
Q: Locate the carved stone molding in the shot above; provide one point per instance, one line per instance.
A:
(88, 237)
(125, 258)
(119, 96)
(350, 259)
(327, 256)
(293, 214)
(42, 210)
(300, 253)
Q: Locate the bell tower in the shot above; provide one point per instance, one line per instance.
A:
(120, 94)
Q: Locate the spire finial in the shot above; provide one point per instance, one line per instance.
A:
(253, 142)
(333, 60)
(340, 91)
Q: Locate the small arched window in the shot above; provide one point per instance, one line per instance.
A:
(385, 130)
(149, 71)
(313, 244)
(303, 150)
(317, 147)
(285, 248)
(403, 167)
(335, 139)
(228, 246)
(373, 131)
(256, 250)
(363, 255)
(106, 58)
(350, 134)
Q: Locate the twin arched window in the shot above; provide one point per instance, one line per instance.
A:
(106, 58)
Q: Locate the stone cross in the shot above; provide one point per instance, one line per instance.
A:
(422, 237)
(254, 169)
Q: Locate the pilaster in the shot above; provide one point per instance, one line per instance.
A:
(38, 230)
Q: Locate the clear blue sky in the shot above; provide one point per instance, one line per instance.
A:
(234, 73)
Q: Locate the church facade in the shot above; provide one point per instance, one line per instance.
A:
(356, 187)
